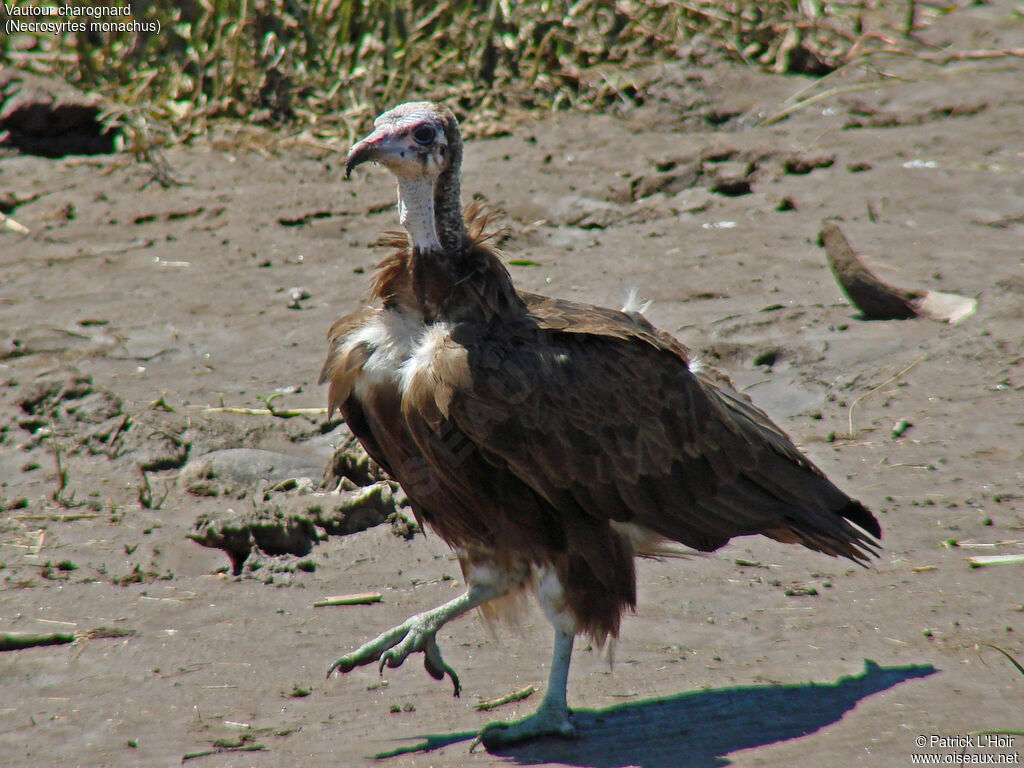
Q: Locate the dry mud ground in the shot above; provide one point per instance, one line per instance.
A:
(146, 305)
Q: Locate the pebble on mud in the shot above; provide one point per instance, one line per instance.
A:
(296, 296)
(900, 427)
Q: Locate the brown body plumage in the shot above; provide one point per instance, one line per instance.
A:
(550, 441)
(539, 424)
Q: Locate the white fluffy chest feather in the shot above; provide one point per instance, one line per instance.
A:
(401, 347)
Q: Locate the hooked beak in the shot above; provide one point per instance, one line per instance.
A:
(361, 152)
(373, 147)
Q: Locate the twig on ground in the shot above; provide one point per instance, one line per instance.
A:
(981, 561)
(63, 518)
(218, 750)
(112, 451)
(15, 641)
(14, 226)
(358, 598)
(286, 413)
(890, 380)
(58, 495)
(146, 493)
(502, 700)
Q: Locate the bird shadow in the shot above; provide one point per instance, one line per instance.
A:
(695, 729)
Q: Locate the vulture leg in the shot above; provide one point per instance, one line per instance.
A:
(418, 633)
(552, 717)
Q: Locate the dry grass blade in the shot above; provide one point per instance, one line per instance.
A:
(887, 382)
(1013, 661)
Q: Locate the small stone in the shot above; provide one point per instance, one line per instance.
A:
(900, 427)
(296, 296)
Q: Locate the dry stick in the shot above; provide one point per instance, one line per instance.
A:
(111, 451)
(977, 55)
(63, 518)
(219, 750)
(885, 383)
(270, 410)
(980, 561)
(145, 493)
(14, 226)
(62, 473)
(501, 700)
(15, 641)
(286, 413)
(359, 598)
(38, 546)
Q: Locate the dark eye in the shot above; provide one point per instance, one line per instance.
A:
(424, 134)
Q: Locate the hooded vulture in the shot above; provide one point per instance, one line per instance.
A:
(549, 443)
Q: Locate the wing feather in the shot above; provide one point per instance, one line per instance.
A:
(599, 414)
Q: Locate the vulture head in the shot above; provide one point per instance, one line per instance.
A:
(420, 143)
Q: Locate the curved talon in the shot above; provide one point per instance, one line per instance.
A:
(417, 633)
(392, 648)
(371, 651)
(389, 659)
(346, 663)
(437, 669)
(342, 664)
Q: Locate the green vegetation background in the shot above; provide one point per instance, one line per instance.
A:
(326, 64)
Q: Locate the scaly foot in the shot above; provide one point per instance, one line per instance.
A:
(546, 721)
(393, 647)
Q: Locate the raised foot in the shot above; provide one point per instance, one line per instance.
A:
(544, 722)
(393, 647)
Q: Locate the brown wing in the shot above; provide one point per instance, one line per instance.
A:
(598, 413)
